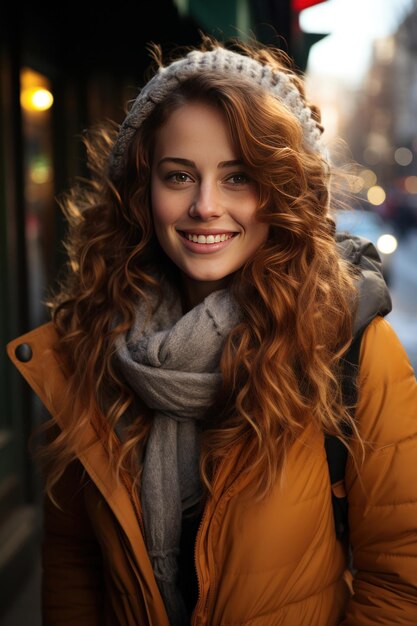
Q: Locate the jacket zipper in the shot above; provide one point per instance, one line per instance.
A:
(203, 609)
(197, 608)
(197, 544)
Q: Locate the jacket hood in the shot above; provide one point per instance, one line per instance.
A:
(373, 294)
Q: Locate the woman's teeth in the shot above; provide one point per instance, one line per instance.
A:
(208, 238)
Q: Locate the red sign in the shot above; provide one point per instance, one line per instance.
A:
(300, 5)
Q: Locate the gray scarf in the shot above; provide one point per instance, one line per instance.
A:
(172, 362)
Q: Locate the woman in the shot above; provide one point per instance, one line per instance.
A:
(192, 367)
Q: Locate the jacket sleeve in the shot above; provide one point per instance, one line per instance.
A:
(72, 578)
(382, 492)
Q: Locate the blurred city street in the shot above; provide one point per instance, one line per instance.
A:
(404, 295)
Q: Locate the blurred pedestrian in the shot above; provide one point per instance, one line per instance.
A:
(193, 366)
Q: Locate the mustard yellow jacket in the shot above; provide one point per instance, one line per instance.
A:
(273, 563)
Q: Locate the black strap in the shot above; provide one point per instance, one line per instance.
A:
(336, 451)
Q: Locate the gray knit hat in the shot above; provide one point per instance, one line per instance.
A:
(230, 63)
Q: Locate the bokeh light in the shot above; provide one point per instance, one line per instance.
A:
(40, 170)
(356, 184)
(387, 244)
(410, 184)
(36, 99)
(369, 178)
(403, 156)
(376, 195)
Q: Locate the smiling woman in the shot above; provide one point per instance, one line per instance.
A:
(194, 366)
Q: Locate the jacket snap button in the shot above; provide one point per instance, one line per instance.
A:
(23, 352)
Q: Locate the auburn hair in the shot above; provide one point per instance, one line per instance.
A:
(280, 365)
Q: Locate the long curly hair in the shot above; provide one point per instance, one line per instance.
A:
(280, 365)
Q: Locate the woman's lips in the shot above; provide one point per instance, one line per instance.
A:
(204, 242)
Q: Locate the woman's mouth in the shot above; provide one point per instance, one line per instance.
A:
(208, 242)
(208, 238)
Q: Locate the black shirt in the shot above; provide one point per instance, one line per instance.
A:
(187, 581)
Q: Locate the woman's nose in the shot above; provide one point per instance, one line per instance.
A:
(207, 204)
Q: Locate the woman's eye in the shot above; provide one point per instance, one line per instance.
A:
(178, 178)
(238, 179)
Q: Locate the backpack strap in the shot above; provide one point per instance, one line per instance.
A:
(336, 450)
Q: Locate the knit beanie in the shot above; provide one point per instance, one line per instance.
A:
(225, 61)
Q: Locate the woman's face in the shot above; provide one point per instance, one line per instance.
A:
(203, 200)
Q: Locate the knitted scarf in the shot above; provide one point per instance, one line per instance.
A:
(172, 363)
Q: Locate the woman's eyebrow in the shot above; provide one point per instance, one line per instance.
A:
(232, 163)
(178, 160)
(188, 163)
